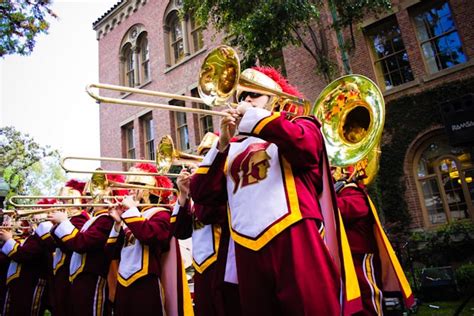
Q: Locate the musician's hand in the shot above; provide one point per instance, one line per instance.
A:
(243, 107)
(5, 234)
(128, 202)
(183, 182)
(116, 213)
(228, 127)
(57, 217)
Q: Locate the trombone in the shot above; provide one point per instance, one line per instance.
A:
(166, 156)
(54, 207)
(219, 78)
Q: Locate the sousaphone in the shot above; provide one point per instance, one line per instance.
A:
(352, 114)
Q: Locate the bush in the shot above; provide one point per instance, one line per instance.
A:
(465, 278)
(450, 244)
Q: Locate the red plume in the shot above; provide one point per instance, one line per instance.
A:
(120, 179)
(279, 79)
(47, 201)
(76, 185)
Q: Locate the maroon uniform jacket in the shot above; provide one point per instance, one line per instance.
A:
(87, 244)
(358, 219)
(26, 277)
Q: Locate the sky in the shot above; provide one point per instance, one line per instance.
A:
(44, 94)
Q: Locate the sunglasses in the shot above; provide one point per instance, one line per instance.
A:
(245, 94)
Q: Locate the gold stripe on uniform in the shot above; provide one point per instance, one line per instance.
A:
(369, 275)
(99, 296)
(37, 295)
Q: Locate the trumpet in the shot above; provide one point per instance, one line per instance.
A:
(219, 78)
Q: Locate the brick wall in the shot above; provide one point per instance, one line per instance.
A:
(300, 68)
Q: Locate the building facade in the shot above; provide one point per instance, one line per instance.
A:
(417, 51)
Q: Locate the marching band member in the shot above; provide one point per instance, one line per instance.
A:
(212, 295)
(89, 265)
(371, 250)
(4, 263)
(142, 236)
(271, 179)
(27, 272)
(60, 285)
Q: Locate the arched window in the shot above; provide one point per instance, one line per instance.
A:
(135, 57)
(129, 60)
(445, 181)
(183, 36)
(176, 38)
(144, 58)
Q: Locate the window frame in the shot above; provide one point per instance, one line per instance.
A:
(147, 124)
(437, 176)
(378, 64)
(129, 148)
(422, 8)
(179, 128)
(129, 65)
(145, 69)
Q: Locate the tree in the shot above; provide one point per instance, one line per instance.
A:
(20, 23)
(262, 28)
(21, 158)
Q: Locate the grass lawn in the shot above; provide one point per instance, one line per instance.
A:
(445, 308)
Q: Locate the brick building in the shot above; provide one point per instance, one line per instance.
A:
(412, 53)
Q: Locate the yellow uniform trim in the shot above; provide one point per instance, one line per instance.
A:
(257, 129)
(173, 219)
(216, 231)
(140, 273)
(60, 263)
(370, 277)
(79, 270)
(100, 212)
(129, 220)
(291, 218)
(15, 249)
(70, 236)
(351, 283)
(111, 240)
(15, 275)
(38, 293)
(391, 253)
(45, 236)
(100, 297)
(202, 170)
(187, 304)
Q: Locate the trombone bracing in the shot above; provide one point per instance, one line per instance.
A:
(52, 207)
(219, 78)
(166, 156)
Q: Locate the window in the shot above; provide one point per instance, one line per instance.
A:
(129, 138)
(181, 127)
(129, 66)
(204, 121)
(135, 57)
(196, 35)
(389, 53)
(177, 45)
(149, 137)
(445, 181)
(144, 59)
(183, 36)
(438, 37)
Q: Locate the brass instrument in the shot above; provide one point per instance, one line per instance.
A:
(219, 78)
(37, 208)
(352, 114)
(166, 156)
